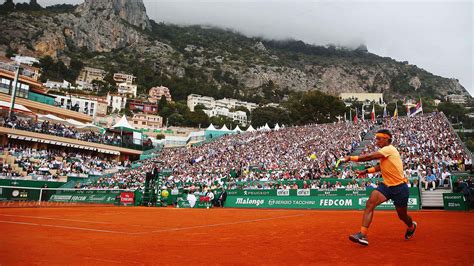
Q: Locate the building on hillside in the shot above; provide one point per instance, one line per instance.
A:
(79, 104)
(143, 107)
(456, 98)
(210, 103)
(146, 121)
(57, 85)
(102, 107)
(156, 93)
(127, 89)
(116, 102)
(26, 60)
(28, 85)
(81, 85)
(362, 97)
(275, 105)
(233, 103)
(195, 99)
(9, 65)
(238, 116)
(89, 74)
(124, 78)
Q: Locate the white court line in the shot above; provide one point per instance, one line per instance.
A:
(214, 225)
(155, 231)
(12, 222)
(52, 218)
(85, 229)
(68, 227)
(113, 261)
(72, 220)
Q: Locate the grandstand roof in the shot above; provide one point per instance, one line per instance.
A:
(19, 107)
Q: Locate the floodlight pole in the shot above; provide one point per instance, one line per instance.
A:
(13, 96)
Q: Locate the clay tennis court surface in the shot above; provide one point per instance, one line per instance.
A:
(140, 235)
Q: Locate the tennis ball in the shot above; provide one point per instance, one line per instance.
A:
(164, 193)
(313, 156)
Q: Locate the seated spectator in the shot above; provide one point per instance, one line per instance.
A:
(430, 179)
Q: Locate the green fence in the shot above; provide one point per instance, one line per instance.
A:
(85, 196)
(310, 199)
(30, 183)
(455, 201)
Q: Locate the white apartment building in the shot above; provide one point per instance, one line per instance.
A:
(127, 89)
(456, 98)
(86, 106)
(57, 85)
(27, 60)
(210, 103)
(124, 78)
(362, 97)
(239, 116)
(116, 102)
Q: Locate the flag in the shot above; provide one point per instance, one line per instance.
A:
(418, 109)
(355, 117)
(363, 113)
(395, 113)
(385, 111)
(372, 114)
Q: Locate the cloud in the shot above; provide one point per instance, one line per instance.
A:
(434, 35)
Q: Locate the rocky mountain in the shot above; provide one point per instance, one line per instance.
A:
(117, 35)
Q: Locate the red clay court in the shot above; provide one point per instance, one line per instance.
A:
(140, 235)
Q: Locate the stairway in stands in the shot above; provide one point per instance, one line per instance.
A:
(433, 199)
(366, 141)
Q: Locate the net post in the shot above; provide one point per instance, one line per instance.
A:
(40, 196)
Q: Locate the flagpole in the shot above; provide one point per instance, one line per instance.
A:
(421, 106)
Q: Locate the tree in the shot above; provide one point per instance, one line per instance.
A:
(314, 107)
(175, 119)
(271, 115)
(197, 118)
(240, 108)
(8, 6)
(162, 104)
(452, 110)
(220, 121)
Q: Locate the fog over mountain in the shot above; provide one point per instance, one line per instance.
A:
(434, 35)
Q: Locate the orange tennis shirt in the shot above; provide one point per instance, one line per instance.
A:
(391, 166)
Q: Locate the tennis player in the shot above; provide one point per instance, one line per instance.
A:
(394, 185)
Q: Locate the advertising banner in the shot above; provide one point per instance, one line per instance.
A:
(86, 196)
(127, 198)
(310, 199)
(454, 201)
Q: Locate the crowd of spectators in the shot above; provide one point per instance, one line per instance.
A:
(429, 148)
(63, 130)
(50, 164)
(304, 152)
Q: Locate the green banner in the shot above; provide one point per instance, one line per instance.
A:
(310, 199)
(454, 201)
(86, 196)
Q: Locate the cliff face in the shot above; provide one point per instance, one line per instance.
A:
(132, 11)
(96, 25)
(110, 25)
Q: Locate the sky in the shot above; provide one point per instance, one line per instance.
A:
(436, 35)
